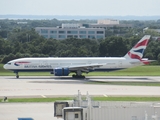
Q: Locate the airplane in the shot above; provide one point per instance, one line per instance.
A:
(63, 66)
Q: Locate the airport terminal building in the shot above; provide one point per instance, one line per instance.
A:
(71, 31)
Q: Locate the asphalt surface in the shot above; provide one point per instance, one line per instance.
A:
(36, 111)
(39, 86)
(29, 86)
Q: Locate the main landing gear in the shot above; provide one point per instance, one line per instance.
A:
(17, 76)
(78, 75)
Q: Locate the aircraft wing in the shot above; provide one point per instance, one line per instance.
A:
(87, 66)
(84, 68)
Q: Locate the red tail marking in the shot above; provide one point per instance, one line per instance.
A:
(143, 43)
(134, 56)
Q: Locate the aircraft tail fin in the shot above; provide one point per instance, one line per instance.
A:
(137, 51)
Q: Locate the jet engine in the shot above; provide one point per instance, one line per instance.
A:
(61, 71)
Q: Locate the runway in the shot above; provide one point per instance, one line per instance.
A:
(46, 86)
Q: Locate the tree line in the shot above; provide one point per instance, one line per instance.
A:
(28, 43)
(21, 40)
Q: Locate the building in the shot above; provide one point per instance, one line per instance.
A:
(108, 21)
(109, 24)
(71, 31)
(22, 22)
(87, 109)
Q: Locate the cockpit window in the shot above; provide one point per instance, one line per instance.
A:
(9, 63)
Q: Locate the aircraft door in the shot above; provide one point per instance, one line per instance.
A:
(120, 64)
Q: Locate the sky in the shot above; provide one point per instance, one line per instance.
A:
(81, 7)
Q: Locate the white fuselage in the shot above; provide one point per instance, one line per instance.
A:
(49, 64)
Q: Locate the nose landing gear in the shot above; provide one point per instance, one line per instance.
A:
(17, 76)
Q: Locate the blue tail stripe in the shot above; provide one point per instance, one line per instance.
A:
(139, 51)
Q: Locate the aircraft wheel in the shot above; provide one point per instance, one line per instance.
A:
(73, 76)
(83, 76)
(17, 76)
(78, 76)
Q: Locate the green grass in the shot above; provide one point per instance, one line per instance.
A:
(136, 71)
(93, 98)
(38, 99)
(126, 98)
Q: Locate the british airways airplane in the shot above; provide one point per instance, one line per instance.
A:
(78, 65)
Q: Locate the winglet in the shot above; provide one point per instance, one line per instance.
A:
(137, 51)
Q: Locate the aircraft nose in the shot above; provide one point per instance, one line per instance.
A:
(5, 66)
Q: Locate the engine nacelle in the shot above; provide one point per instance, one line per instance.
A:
(61, 71)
